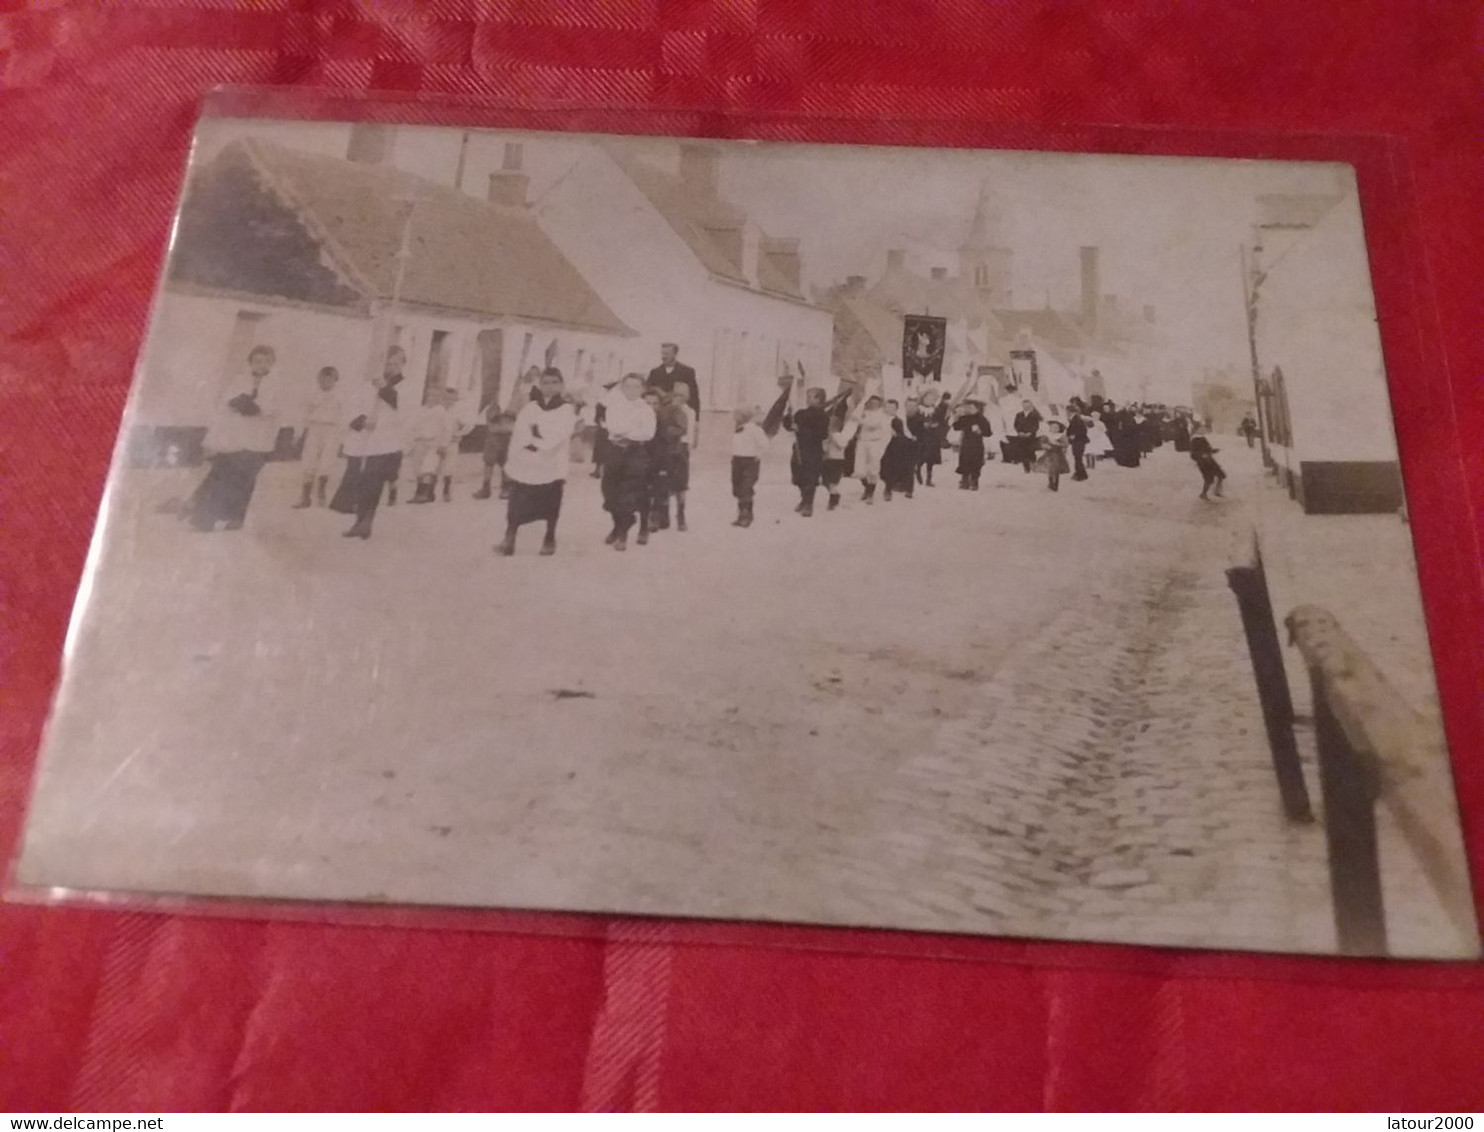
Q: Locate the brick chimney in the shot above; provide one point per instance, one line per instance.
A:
(370, 143)
(509, 185)
(896, 259)
(783, 254)
(1090, 281)
(940, 273)
(698, 168)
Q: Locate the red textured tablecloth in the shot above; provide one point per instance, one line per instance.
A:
(103, 1010)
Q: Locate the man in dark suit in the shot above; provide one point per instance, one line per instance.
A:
(671, 371)
(1027, 428)
(1077, 437)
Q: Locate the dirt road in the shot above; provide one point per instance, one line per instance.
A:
(1008, 711)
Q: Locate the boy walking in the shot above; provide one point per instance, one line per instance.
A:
(749, 444)
(1212, 475)
(811, 429)
(499, 424)
(678, 421)
(435, 446)
(871, 441)
(631, 424)
(319, 440)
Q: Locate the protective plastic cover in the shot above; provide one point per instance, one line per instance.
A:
(988, 542)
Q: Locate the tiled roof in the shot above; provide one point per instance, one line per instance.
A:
(691, 214)
(910, 293)
(1050, 326)
(464, 253)
(1125, 328)
(883, 327)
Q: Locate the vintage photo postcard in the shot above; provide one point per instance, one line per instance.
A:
(961, 541)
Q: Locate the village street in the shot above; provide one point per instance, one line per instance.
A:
(1011, 712)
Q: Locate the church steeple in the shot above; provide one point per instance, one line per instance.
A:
(984, 263)
(985, 229)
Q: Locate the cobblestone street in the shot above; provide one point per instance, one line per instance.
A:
(1044, 723)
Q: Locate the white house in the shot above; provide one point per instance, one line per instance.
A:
(1325, 403)
(329, 260)
(1103, 347)
(680, 264)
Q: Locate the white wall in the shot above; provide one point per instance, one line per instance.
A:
(634, 260)
(191, 352)
(523, 344)
(1317, 320)
(463, 370)
(764, 332)
(733, 337)
(579, 355)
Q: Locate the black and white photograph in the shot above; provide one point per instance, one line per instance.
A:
(996, 543)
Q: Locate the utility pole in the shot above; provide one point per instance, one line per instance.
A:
(383, 332)
(458, 176)
(1251, 281)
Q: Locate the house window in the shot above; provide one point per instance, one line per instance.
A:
(740, 368)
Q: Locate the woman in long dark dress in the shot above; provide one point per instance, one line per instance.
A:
(899, 463)
(1125, 437)
(974, 426)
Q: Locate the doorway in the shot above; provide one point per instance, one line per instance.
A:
(491, 345)
(437, 379)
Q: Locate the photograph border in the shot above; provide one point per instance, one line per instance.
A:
(1424, 417)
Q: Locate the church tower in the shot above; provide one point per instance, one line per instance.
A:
(984, 266)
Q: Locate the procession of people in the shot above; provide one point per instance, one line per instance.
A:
(639, 433)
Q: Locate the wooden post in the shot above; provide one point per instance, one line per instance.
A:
(1249, 582)
(1376, 749)
(1349, 787)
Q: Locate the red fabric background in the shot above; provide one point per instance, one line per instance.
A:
(107, 1010)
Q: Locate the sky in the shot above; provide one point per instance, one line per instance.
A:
(1169, 230)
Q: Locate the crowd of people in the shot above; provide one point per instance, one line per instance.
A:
(639, 433)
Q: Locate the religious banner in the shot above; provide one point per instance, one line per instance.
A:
(923, 341)
(1024, 371)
